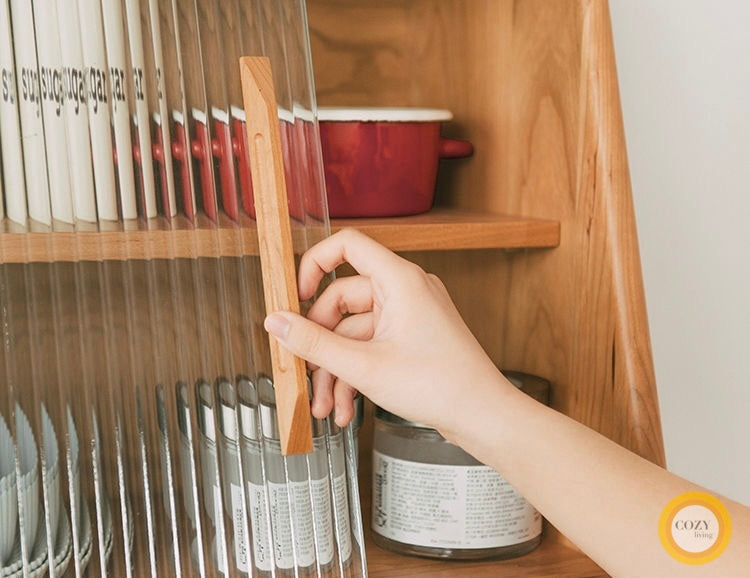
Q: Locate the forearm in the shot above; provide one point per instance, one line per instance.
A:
(393, 333)
(604, 498)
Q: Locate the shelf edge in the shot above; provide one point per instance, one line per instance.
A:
(438, 230)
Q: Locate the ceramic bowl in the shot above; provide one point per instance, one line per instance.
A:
(383, 162)
(28, 485)
(8, 493)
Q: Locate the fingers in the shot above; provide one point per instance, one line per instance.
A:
(367, 256)
(322, 402)
(343, 394)
(318, 345)
(332, 394)
(344, 296)
(329, 390)
(360, 326)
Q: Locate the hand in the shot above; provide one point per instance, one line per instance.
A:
(391, 332)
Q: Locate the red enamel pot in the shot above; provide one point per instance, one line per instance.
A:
(383, 162)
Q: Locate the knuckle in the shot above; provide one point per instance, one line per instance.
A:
(347, 233)
(420, 279)
(437, 283)
(413, 272)
(434, 279)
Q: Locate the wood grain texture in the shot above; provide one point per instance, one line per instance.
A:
(276, 248)
(550, 559)
(533, 85)
(439, 230)
(567, 116)
(443, 229)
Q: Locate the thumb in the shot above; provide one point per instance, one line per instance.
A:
(315, 343)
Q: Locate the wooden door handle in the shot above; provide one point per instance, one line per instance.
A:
(276, 250)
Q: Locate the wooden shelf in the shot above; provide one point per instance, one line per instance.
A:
(549, 559)
(440, 229)
(156, 239)
(444, 229)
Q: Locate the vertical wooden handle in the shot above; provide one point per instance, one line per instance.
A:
(276, 252)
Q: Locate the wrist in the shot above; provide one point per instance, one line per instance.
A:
(482, 418)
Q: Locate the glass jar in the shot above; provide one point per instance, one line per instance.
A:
(430, 498)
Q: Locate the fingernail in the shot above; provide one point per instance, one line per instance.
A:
(277, 325)
(317, 409)
(339, 418)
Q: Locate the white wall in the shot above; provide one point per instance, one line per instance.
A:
(685, 86)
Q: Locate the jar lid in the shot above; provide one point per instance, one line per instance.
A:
(269, 416)
(532, 385)
(269, 419)
(385, 415)
(248, 403)
(206, 421)
(183, 411)
(269, 422)
(359, 411)
(227, 412)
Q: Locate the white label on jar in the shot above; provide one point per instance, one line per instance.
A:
(323, 520)
(221, 552)
(240, 536)
(259, 523)
(304, 544)
(441, 506)
(343, 526)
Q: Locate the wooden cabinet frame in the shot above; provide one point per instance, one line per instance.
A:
(533, 84)
(534, 235)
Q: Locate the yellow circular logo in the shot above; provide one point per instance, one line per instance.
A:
(695, 528)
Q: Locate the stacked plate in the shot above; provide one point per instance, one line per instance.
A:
(31, 530)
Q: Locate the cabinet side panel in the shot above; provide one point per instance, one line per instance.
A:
(570, 160)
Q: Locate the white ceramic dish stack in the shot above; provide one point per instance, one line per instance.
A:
(127, 326)
(8, 494)
(29, 496)
(34, 524)
(37, 563)
(74, 471)
(37, 545)
(79, 508)
(52, 473)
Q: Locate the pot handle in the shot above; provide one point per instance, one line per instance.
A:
(451, 148)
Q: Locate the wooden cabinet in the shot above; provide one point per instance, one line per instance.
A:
(533, 84)
(534, 237)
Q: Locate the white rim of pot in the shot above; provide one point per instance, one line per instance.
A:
(383, 114)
